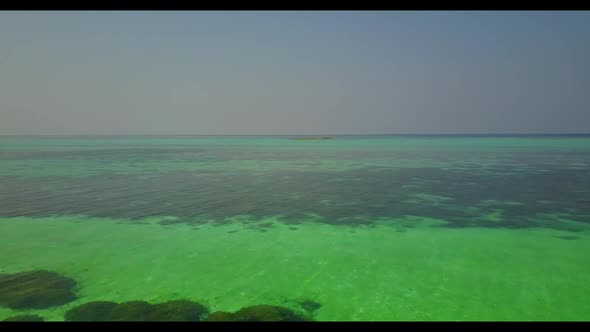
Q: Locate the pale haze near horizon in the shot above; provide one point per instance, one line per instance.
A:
(240, 73)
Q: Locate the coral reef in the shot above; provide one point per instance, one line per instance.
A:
(219, 316)
(568, 237)
(309, 305)
(96, 311)
(177, 310)
(258, 313)
(37, 289)
(24, 318)
(131, 311)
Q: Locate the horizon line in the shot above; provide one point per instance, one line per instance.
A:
(308, 135)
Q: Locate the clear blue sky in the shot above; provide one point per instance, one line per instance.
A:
(294, 72)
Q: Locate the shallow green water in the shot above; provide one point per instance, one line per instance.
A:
(372, 228)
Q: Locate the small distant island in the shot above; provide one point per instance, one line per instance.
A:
(311, 138)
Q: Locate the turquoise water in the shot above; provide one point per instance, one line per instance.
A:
(369, 227)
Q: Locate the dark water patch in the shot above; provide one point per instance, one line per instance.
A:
(369, 193)
(177, 310)
(221, 222)
(292, 222)
(265, 225)
(37, 289)
(171, 222)
(24, 318)
(120, 154)
(195, 221)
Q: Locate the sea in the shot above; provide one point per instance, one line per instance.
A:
(367, 228)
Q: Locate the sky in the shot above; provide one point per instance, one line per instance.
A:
(308, 72)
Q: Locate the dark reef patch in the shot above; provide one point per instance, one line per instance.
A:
(132, 311)
(96, 311)
(171, 222)
(260, 226)
(177, 310)
(309, 305)
(258, 313)
(24, 318)
(292, 221)
(520, 192)
(265, 225)
(219, 316)
(568, 237)
(37, 289)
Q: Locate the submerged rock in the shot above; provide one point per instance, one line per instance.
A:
(36, 289)
(258, 313)
(568, 237)
(178, 310)
(24, 318)
(96, 311)
(266, 313)
(309, 305)
(219, 316)
(131, 311)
